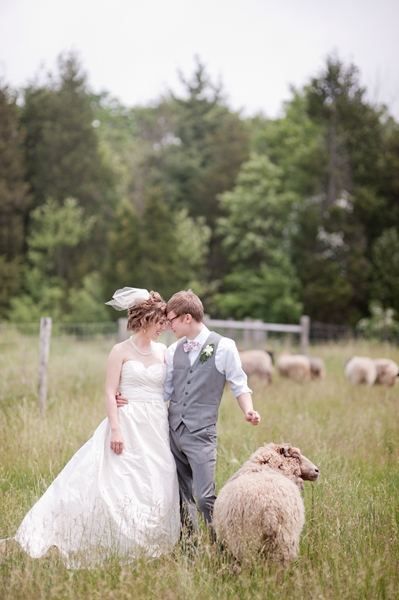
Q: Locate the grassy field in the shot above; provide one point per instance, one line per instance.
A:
(350, 544)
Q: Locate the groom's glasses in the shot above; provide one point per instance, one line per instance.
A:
(173, 318)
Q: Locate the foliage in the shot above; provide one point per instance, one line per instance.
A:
(256, 231)
(381, 325)
(269, 294)
(386, 269)
(86, 302)
(14, 199)
(163, 249)
(57, 233)
(187, 192)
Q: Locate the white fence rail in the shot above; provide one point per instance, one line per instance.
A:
(247, 333)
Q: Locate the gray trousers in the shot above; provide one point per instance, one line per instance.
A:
(195, 456)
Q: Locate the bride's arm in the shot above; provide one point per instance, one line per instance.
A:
(113, 372)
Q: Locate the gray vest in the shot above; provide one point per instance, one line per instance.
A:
(197, 389)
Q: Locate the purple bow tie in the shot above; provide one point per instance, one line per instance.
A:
(191, 345)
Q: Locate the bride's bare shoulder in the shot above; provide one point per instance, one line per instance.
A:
(118, 349)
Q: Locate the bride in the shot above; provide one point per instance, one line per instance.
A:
(118, 495)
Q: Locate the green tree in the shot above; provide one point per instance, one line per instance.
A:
(385, 285)
(57, 233)
(328, 249)
(256, 235)
(14, 199)
(295, 143)
(161, 249)
(63, 154)
(174, 247)
(62, 149)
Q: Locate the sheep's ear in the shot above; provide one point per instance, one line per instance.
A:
(284, 450)
(287, 451)
(295, 452)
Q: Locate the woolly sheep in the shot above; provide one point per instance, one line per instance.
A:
(361, 369)
(294, 366)
(260, 509)
(317, 368)
(387, 371)
(257, 362)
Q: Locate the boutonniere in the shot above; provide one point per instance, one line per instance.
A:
(207, 352)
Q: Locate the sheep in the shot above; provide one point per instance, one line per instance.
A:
(361, 369)
(317, 368)
(294, 366)
(260, 511)
(257, 362)
(387, 371)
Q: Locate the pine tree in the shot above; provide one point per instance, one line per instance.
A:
(14, 199)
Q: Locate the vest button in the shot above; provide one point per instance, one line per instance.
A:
(191, 370)
(184, 404)
(186, 393)
(188, 381)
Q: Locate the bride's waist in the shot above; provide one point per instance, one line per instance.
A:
(141, 396)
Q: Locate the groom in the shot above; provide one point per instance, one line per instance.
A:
(198, 365)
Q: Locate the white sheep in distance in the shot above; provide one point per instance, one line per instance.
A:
(361, 369)
(260, 511)
(300, 368)
(258, 363)
(294, 366)
(387, 371)
(317, 368)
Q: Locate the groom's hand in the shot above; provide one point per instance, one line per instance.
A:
(120, 400)
(253, 417)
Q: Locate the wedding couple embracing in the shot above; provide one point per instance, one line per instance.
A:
(135, 487)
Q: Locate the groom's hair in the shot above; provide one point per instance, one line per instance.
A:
(186, 303)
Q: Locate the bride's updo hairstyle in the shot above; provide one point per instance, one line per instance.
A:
(148, 312)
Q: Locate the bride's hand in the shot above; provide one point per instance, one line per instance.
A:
(116, 442)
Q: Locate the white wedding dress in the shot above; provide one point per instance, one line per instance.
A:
(105, 505)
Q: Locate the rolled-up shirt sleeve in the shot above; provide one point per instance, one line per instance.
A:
(228, 362)
(168, 389)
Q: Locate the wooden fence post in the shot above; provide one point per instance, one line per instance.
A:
(259, 336)
(305, 328)
(44, 349)
(122, 329)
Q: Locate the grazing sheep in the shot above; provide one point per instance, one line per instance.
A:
(260, 509)
(317, 368)
(294, 366)
(257, 362)
(361, 369)
(387, 371)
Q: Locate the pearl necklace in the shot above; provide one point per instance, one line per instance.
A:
(138, 349)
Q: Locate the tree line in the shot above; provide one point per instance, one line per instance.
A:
(264, 218)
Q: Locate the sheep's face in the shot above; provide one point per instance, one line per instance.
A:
(287, 460)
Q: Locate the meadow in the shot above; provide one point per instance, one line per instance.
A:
(350, 543)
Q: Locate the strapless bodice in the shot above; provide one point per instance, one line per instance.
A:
(140, 383)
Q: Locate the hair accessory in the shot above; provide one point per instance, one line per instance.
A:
(127, 297)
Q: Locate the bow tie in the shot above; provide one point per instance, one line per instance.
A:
(191, 345)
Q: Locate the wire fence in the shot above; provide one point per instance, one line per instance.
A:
(247, 334)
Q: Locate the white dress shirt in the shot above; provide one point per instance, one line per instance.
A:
(227, 362)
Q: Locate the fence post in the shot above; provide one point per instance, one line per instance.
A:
(259, 336)
(305, 327)
(122, 329)
(44, 349)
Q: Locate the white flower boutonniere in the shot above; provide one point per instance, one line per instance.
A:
(207, 352)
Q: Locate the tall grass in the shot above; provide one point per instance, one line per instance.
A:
(349, 547)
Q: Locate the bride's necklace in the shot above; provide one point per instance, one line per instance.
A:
(138, 349)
